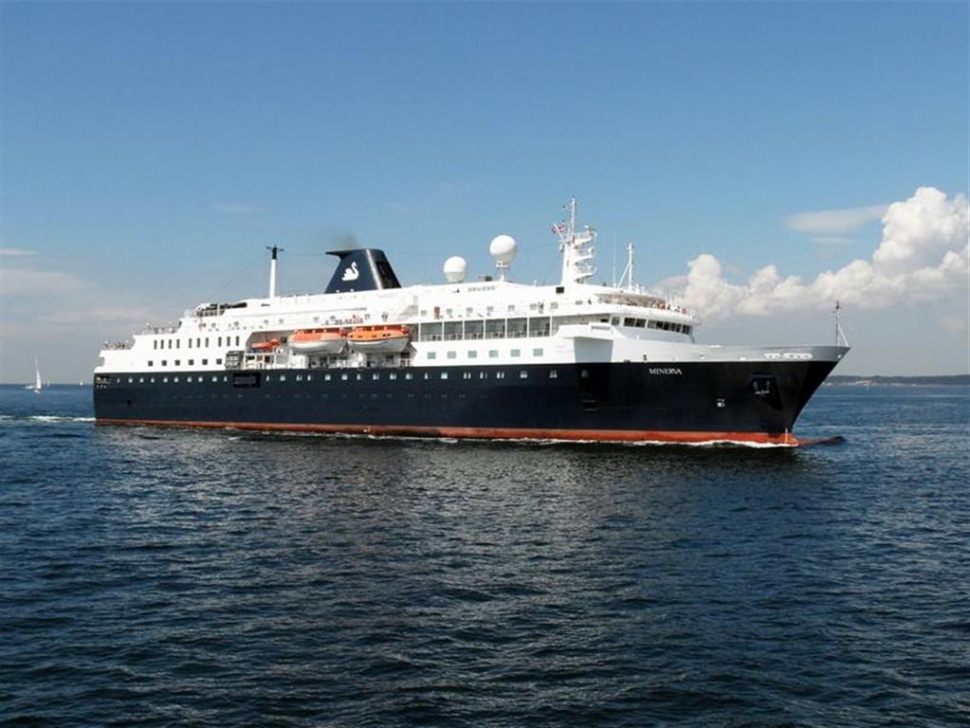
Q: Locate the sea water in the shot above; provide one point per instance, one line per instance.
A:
(165, 577)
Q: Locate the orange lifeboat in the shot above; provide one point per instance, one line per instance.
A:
(318, 341)
(269, 345)
(379, 339)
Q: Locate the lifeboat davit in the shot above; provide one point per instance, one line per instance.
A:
(318, 341)
(379, 339)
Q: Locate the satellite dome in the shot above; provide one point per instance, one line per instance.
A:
(502, 249)
(455, 269)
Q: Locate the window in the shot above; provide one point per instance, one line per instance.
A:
(516, 353)
(474, 329)
(430, 332)
(432, 355)
(452, 330)
(523, 374)
(537, 352)
(518, 327)
(452, 354)
(553, 374)
(444, 375)
(493, 353)
(473, 355)
(495, 329)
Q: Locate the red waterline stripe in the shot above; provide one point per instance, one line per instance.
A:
(487, 433)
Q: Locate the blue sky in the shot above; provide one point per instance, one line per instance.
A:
(150, 152)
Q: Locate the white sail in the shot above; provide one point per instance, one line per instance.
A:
(38, 384)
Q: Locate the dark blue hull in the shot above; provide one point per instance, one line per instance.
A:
(742, 401)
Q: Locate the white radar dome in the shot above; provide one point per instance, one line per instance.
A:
(502, 249)
(455, 269)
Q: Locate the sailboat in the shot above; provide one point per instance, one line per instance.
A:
(38, 384)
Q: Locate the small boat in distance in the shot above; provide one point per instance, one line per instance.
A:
(38, 385)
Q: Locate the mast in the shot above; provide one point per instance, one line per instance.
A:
(626, 280)
(840, 339)
(576, 248)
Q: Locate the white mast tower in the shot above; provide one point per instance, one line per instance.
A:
(576, 248)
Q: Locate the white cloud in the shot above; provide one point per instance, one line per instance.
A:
(33, 282)
(14, 252)
(836, 221)
(97, 316)
(924, 255)
(916, 232)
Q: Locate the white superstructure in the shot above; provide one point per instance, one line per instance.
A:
(491, 321)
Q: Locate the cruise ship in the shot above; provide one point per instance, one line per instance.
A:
(487, 358)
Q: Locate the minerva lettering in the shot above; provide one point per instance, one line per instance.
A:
(666, 370)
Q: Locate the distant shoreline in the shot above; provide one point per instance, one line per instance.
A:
(899, 381)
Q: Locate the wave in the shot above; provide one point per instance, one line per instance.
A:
(45, 419)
